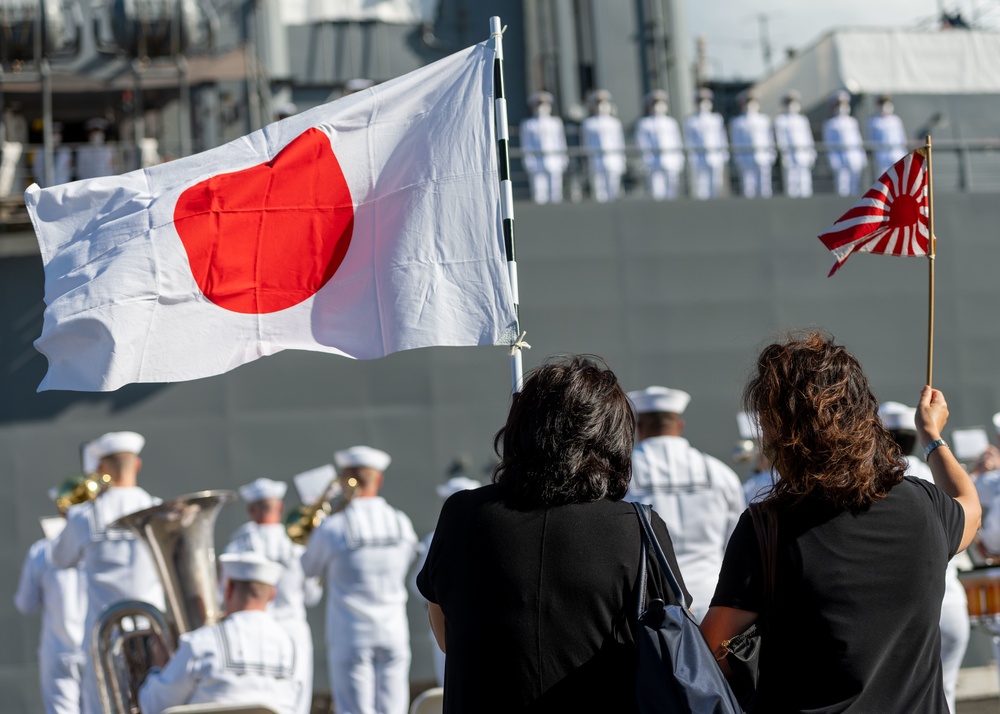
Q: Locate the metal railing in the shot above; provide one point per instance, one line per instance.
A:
(959, 166)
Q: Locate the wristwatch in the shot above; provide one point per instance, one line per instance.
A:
(929, 449)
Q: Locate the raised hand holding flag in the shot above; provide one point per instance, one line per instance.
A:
(890, 219)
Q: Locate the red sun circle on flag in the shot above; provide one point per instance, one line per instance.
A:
(270, 236)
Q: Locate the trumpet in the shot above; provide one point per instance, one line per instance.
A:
(80, 489)
(301, 522)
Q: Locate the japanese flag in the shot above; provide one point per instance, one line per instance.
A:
(363, 227)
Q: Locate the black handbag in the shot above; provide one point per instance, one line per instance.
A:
(742, 653)
(676, 671)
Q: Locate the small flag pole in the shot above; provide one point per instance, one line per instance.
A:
(931, 254)
(506, 196)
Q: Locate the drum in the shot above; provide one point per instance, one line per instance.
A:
(982, 587)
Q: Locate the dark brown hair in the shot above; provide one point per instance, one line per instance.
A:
(568, 437)
(821, 425)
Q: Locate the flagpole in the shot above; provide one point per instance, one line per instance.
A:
(506, 196)
(931, 259)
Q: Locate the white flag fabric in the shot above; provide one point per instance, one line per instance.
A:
(362, 227)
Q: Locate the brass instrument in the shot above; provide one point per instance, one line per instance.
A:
(80, 489)
(745, 452)
(301, 522)
(128, 635)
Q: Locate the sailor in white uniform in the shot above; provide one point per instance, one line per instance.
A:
(543, 143)
(117, 567)
(708, 148)
(444, 491)
(758, 485)
(62, 161)
(604, 140)
(698, 496)
(658, 136)
(886, 135)
(95, 158)
(364, 552)
(265, 534)
(900, 420)
(246, 658)
(751, 138)
(61, 598)
(794, 138)
(844, 147)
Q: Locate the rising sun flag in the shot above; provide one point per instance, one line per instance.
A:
(890, 219)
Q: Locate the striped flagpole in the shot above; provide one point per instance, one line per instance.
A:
(506, 195)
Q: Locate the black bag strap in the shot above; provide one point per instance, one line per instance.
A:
(649, 541)
(765, 525)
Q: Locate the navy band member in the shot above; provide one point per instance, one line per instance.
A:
(265, 534)
(247, 658)
(364, 553)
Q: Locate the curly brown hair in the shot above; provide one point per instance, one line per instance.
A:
(820, 424)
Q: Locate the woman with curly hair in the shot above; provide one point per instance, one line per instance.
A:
(861, 550)
(531, 580)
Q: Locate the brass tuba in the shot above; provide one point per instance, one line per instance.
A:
(305, 519)
(179, 534)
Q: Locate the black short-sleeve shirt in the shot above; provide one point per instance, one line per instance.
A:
(539, 604)
(857, 602)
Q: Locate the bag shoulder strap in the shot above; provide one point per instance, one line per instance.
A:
(643, 510)
(765, 525)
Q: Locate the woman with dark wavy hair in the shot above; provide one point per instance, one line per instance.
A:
(531, 580)
(859, 568)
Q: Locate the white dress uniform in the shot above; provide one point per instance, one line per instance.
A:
(751, 138)
(699, 498)
(954, 608)
(604, 141)
(62, 166)
(61, 597)
(988, 488)
(294, 593)
(94, 160)
(658, 136)
(436, 653)
(845, 152)
(364, 553)
(543, 141)
(758, 486)
(116, 565)
(888, 137)
(708, 152)
(798, 152)
(247, 658)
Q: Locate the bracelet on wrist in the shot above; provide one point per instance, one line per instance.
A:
(929, 449)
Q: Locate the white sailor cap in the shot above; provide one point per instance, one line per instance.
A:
(53, 494)
(88, 457)
(456, 484)
(541, 97)
(659, 399)
(362, 457)
(263, 488)
(656, 95)
(791, 95)
(841, 96)
(898, 417)
(358, 84)
(996, 422)
(287, 109)
(96, 124)
(749, 425)
(116, 442)
(250, 567)
(600, 95)
(704, 93)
